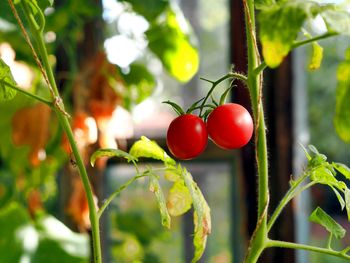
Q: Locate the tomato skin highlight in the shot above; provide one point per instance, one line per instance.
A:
(230, 126)
(187, 136)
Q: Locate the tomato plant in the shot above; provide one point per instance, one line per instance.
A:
(187, 136)
(230, 126)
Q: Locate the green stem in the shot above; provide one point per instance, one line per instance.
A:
(313, 39)
(329, 241)
(257, 243)
(259, 69)
(94, 220)
(117, 192)
(292, 192)
(29, 94)
(284, 244)
(63, 119)
(215, 83)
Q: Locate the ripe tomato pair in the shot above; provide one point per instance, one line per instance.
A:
(230, 126)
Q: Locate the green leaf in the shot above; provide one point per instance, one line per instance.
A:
(347, 201)
(170, 42)
(280, 25)
(316, 57)
(155, 188)
(150, 149)
(173, 173)
(261, 4)
(343, 169)
(342, 109)
(111, 153)
(321, 217)
(337, 21)
(150, 9)
(12, 218)
(49, 239)
(323, 175)
(62, 243)
(202, 219)
(43, 4)
(340, 198)
(6, 93)
(179, 199)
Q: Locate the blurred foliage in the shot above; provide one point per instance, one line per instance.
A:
(43, 240)
(322, 100)
(32, 146)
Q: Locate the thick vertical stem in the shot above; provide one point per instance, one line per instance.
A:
(95, 228)
(258, 240)
(94, 220)
(63, 119)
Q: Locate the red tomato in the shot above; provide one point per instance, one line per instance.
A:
(187, 136)
(230, 126)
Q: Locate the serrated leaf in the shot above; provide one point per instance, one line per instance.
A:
(111, 153)
(342, 109)
(179, 199)
(149, 149)
(170, 42)
(202, 219)
(155, 188)
(319, 216)
(316, 57)
(6, 93)
(323, 175)
(343, 169)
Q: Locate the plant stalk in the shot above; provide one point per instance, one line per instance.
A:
(284, 244)
(63, 119)
(258, 240)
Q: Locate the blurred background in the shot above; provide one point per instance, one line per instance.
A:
(115, 62)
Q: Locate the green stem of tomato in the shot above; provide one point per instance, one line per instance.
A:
(284, 244)
(29, 94)
(36, 31)
(258, 240)
(232, 75)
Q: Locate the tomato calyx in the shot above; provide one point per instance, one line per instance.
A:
(195, 106)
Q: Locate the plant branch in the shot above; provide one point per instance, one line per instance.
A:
(329, 241)
(291, 193)
(29, 94)
(29, 42)
(117, 192)
(284, 244)
(233, 75)
(313, 39)
(259, 69)
(255, 90)
(62, 116)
